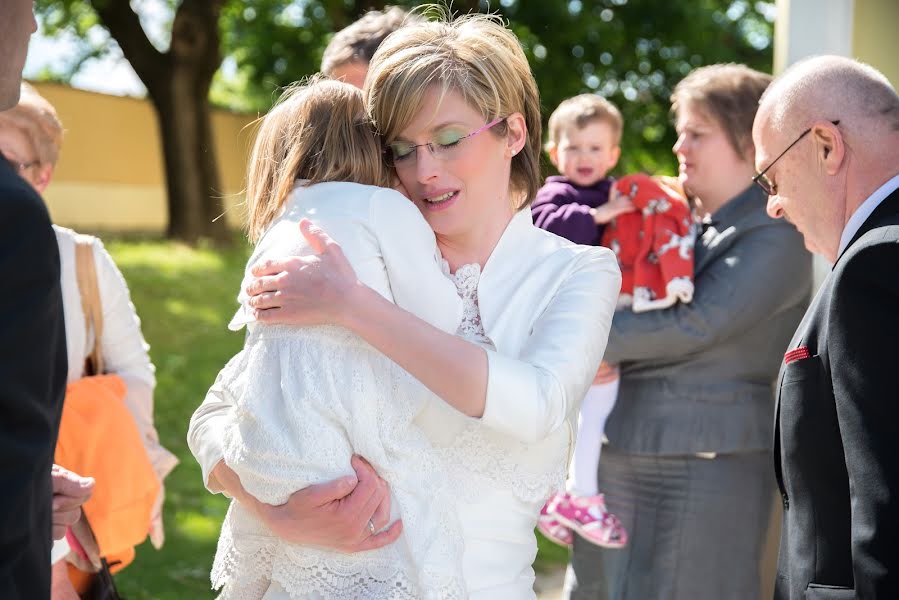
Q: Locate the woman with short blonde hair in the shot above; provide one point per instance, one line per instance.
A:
(458, 112)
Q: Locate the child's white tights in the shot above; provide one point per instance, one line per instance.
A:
(597, 405)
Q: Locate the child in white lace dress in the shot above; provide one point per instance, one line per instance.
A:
(306, 399)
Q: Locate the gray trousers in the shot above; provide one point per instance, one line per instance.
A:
(696, 529)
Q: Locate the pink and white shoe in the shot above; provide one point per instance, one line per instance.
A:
(588, 517)
(550, 527)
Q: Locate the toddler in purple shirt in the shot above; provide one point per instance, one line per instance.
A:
(584, 133)
(584, 137)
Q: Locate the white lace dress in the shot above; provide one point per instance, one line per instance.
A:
(306, 399)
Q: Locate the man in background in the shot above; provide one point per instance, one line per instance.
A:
(350, 50)
(827, 148)
(32, 350)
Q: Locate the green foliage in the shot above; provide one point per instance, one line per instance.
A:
(75, 19)
(631, 51)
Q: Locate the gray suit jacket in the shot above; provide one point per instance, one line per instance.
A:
(698, 377)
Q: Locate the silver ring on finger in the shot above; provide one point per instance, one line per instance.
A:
(371, 526)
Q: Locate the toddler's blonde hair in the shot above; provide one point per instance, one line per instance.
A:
(579, 112)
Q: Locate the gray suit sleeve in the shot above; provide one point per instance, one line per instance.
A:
(760, 274)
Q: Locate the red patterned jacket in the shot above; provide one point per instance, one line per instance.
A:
(654, 245)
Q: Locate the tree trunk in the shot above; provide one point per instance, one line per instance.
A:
(178, 83)
(192, 178)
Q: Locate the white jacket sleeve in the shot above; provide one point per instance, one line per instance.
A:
(126, 354)
(206, 431)
(531, 395)
(409, 250)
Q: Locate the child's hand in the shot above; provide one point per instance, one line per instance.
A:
(618, 204)
(606, 374)
(672, 185)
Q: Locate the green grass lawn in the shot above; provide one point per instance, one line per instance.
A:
(185, 297)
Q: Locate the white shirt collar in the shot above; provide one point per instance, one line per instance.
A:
(864, 211)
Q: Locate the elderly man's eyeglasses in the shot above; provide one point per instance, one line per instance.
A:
(403, 155)
(762, 181)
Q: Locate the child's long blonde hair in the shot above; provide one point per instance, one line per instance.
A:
(317, 131)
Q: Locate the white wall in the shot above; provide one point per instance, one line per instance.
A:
(806, 28)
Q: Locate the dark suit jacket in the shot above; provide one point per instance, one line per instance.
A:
(32, 385)
(837, 428)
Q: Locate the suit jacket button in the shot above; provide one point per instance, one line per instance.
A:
(786, 500)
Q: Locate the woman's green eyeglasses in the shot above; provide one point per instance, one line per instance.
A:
(403, 155)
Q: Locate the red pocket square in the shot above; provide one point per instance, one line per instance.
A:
(799, 353)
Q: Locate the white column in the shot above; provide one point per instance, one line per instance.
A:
(806, 28)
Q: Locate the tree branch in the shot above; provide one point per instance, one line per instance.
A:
(195, 35)
(124, 25)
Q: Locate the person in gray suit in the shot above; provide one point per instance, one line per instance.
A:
(687, 467)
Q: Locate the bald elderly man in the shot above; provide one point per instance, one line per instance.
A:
(827, 150)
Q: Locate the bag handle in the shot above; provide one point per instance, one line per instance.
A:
(91, 305)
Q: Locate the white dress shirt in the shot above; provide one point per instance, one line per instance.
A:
(864, 211)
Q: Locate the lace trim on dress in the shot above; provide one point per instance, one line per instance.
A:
(476, 464)
(475, 461)
(245, 567)
(294, 424)
(466, 279)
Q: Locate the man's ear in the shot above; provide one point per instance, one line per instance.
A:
(43, 177)
(518, 133)
(830, 149)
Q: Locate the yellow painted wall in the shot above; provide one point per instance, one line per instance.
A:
(110, 175)
(874, 36)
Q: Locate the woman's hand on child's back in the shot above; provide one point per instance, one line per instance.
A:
(305, 290)
(338, 514)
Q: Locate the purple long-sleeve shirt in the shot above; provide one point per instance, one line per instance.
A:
(563, 208)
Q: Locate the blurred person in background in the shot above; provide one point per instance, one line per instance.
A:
(347, 55)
